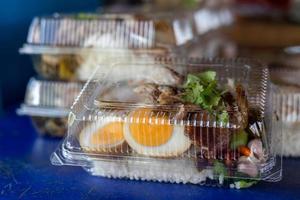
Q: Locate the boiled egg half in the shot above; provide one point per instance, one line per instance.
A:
(151, 133)
(103, 135)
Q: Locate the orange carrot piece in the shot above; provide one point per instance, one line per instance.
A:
(245, 150)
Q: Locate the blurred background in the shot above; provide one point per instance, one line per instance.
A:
(16, 16)
(260, 28)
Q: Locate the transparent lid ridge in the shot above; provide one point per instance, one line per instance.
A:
(109, 31)
(52, 98)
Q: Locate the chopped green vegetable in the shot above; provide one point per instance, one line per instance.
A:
(223, 117)
(244, 183)
(209, 96)
(239, 139)
(219, 168)
(207, 77)
(202, 90)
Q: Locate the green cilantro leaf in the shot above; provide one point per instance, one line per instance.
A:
(223, 117)
(207, 76)
(202, 90)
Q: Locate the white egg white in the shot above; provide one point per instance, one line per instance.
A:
(176, 145)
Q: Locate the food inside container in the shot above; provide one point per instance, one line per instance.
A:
(51, 126)
(48, 104)
(201, 121)
(69, 47)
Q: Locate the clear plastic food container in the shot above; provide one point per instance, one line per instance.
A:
(288, 107)
(207, 122)
(215, 44)
(67, 47)
(48, 104)
(213, 40)
(207, 20)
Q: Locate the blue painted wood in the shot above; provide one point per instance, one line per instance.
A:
(26, 173)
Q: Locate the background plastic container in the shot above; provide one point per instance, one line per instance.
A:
(212, 25)
(288, 107)
(63, 46)
(48, 104)
(208, 20)
(200, 150)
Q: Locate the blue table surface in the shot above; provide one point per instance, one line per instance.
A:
(26, 173)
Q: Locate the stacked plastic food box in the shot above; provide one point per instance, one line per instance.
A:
(48, 103)
(67, 48)
(286, 77)
(147, 111)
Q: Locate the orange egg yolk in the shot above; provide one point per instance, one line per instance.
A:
(149, 129)
(111, 133)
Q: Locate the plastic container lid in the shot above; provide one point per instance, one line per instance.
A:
(207, 20)
(139, 127)
(85, 32)
(49, 98)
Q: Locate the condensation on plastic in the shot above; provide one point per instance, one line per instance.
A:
(178, 162)
(48, 104)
